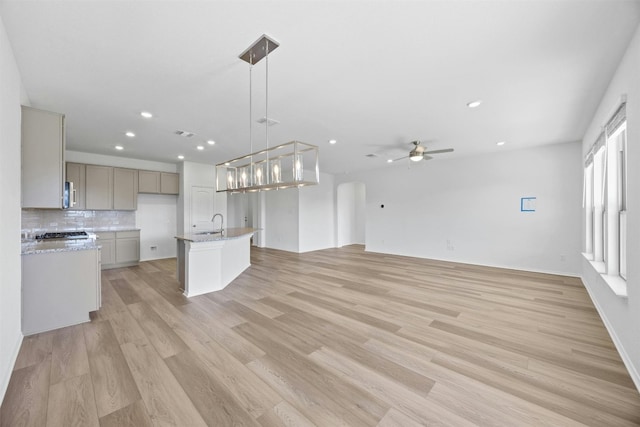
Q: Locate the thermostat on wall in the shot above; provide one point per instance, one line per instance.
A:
(527, 204)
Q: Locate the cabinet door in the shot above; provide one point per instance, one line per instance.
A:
(76, 175)
(99, 187)
(148, 182)
(108, 252)
(169, 183)
(42, 158)
(128, 250)
(125, 189)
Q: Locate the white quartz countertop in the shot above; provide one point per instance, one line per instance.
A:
(227, 234)
(30, 247)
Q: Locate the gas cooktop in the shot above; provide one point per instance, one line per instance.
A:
(64, 235)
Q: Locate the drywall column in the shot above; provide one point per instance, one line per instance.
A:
(12, 94)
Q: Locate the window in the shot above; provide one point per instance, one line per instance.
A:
(605, 201)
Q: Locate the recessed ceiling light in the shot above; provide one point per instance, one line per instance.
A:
(389, 160)
(130, 134)
(211, 142)
(146, 114)
(119, 147)
(474, 104)
(200, 147)
(227, 164)
(501, 143)
(332, 141)
(181, 157)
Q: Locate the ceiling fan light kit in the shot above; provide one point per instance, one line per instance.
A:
(290, 165)
(419, 153)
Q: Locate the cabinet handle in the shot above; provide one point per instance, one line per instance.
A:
(75, 200)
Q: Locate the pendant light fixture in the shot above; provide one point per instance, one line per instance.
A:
(289, 165)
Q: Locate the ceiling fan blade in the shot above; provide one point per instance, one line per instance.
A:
(405, 157)
(446, 150)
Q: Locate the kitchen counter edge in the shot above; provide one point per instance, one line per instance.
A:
(229, 233)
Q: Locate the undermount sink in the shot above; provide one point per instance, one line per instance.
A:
(204, 233)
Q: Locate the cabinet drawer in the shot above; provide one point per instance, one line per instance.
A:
(106, 235)
(127, 234)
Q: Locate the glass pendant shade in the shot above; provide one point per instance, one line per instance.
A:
(293, 164)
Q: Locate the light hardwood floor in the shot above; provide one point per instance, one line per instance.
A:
(337, 337)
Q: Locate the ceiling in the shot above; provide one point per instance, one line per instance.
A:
(372, 75)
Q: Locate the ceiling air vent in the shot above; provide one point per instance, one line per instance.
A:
(184, 133)
(270, 122)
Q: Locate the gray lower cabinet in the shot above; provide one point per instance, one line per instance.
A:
(119, 248)
(59, 289)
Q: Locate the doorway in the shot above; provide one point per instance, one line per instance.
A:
(351, 214)
(201, 208)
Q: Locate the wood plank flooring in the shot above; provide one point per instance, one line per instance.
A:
(338, 337)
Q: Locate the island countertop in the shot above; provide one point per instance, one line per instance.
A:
(227, 234)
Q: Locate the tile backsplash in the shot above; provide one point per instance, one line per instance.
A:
(35, 221)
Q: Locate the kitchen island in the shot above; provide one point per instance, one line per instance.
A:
(60, 283)
(209, 261)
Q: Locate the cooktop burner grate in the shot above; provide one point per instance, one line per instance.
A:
(64, 235)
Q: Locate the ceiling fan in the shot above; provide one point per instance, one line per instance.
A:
(419, 152)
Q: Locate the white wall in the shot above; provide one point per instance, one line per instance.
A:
(317, 215)
(237, 209)
(281, 228)
(622, 315)
(299, 219)
(468, 210)
(156, 219)
(11, 96)
(350, 214)
(156, 214)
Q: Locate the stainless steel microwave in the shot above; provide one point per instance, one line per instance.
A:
(69, 196)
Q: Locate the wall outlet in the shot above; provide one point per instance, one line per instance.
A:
(450, 247)
(563, 258)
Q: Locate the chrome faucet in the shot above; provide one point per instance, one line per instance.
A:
(221, 221)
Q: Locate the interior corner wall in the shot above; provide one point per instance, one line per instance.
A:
(317, 215)
(281, 230)
(622, 315)
(350, 213)
(12, 94)
(468, 209)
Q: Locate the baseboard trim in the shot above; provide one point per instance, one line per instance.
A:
(6, 376)
(633, 373)
(504, 267)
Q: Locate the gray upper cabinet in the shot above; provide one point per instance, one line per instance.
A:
(43, 144)
(169, 183)
(99, 187)
(148, 182)
(76, 173)
(125, 189)
(154, 182)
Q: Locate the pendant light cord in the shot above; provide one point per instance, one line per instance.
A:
(250, 112)
(266, 108)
